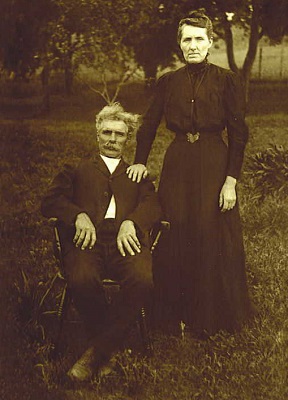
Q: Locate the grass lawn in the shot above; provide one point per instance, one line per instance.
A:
(250, 365)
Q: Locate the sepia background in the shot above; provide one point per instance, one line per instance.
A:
(61, 61)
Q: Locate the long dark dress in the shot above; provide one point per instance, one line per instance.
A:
(200, 265)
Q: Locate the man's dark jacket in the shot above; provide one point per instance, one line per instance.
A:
(89, 187)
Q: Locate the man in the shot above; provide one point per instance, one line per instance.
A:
(106, 219)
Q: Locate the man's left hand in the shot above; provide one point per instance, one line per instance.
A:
(127, 241)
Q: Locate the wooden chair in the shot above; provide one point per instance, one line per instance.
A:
(110, 287)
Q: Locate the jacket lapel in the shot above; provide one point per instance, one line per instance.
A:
(121, 168)
(101, 166)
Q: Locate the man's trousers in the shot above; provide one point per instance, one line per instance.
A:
(85, 269)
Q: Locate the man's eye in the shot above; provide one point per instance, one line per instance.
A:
(107, 132)
(118, 133)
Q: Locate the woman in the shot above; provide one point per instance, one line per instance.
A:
(200, 265)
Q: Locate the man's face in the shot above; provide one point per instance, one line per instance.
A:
(194, 44)
(112, 138)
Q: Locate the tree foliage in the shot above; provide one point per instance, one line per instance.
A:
(22, 33)
(66, 33)
(153, 40)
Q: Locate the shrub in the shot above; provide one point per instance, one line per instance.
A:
(268, 171)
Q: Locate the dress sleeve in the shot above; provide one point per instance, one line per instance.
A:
(151, 120)
(237, 129)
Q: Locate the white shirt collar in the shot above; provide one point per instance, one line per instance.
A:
(111, 163)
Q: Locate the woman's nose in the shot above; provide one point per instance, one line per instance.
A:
(193, 44)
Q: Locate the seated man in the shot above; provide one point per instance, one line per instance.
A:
(106, 218)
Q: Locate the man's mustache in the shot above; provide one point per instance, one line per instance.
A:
(110, 146)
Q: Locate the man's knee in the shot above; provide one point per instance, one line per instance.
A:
(84, 283)
(143, 280)
(140, 271)
(82, 271)
(84, 280)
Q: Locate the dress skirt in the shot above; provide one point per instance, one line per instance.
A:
(199, 268)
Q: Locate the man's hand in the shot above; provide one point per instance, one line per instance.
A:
(85, 232)
(127, 240)
(227, 198)
(136, 172)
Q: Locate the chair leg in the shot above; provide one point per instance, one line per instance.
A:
(145, 334)
(61, 315)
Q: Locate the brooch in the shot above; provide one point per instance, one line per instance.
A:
(191, 138)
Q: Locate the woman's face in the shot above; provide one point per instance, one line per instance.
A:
(194, 44)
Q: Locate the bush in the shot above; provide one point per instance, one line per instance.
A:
(268, 171)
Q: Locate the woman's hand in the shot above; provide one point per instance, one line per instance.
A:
(136, 172)
(228, 197)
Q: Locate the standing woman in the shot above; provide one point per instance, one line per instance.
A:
(200, 266)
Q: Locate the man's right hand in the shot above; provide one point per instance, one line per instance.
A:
(85, 234)
(136, 172)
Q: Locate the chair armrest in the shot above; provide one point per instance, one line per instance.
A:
(52, 221)
(162, 226)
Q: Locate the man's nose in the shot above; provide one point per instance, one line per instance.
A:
(113, 137)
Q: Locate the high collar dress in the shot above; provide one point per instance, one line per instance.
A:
(200, 264)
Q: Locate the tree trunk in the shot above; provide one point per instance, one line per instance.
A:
(229, 45)
(253, 44)
(252, 48)
(45, 75)
(150, 71)
(69, 75)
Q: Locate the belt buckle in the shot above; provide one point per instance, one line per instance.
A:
(192, 137)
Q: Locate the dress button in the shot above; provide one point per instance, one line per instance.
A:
(106, 194)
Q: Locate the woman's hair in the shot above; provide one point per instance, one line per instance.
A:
(116, 112)
(195, 18)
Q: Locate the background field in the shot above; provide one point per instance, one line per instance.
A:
(271, 62)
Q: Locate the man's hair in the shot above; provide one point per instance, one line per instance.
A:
(116, 112)
(198, 19)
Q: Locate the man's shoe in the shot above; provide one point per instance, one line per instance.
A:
(83, 369)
